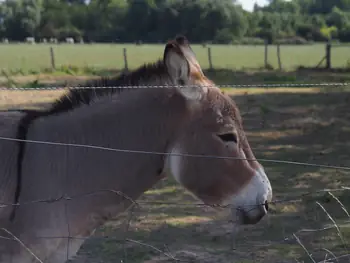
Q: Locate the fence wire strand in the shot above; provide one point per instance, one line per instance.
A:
(258, 85)
(175, 154)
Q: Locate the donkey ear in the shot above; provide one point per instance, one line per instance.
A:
(179, 69)
(176, 63)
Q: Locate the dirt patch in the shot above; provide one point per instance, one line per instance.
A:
(29, 99)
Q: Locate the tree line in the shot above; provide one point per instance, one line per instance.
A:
(152, 21)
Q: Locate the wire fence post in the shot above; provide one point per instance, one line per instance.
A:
(328, 55)
(279, 56)
(126, 68)
(210, 59)
(52, 56)
(266, 53)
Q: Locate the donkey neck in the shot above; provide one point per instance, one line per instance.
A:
(139, 120)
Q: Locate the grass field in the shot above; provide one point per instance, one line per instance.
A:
(297, 124)
(29, 59)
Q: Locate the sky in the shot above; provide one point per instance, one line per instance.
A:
(249, 4)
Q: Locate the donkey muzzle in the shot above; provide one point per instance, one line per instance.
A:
(253, 214)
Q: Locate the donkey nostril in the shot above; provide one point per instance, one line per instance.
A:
(266, 206)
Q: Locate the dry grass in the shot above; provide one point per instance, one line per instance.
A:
(29, 99)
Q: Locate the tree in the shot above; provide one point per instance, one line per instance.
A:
(21, 18)
(221, 21)
(338, 18)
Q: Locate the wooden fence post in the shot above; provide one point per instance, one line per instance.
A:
(328, 55)
(266, 53)
(125, 59)
(52, 56)
(210, 59)
(279, 56)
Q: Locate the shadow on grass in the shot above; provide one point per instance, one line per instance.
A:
(244, 77)
(309, 128)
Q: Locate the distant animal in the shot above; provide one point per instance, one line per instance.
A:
(69, 40)
(30, 40)
(194, 118)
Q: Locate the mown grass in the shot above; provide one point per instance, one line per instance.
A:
(24, 59)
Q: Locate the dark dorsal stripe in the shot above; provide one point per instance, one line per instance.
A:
(22, 131)
(77, 97)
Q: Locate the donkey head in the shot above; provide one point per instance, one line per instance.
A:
(214, 128)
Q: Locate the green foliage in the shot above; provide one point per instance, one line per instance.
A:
(223, 36)
(344, 34)
(329, 32)
(152, 21)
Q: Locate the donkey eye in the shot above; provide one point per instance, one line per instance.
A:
(228, 137)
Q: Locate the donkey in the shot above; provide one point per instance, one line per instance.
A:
(174, 121)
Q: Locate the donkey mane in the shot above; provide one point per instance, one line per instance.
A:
(77, 97)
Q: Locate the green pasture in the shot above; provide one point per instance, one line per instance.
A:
(29, 59)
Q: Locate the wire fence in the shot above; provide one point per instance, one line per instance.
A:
(36, 58)
(8, 236)
(257, 85)
(140, 209)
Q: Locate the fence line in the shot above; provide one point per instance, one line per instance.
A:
(274, 85)
(51, 200)
(294, 236)
(327, 58)
(138, 203)
(269, 57)
(175, 154)
(169, 255)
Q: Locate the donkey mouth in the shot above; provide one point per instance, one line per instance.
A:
(253, 215)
